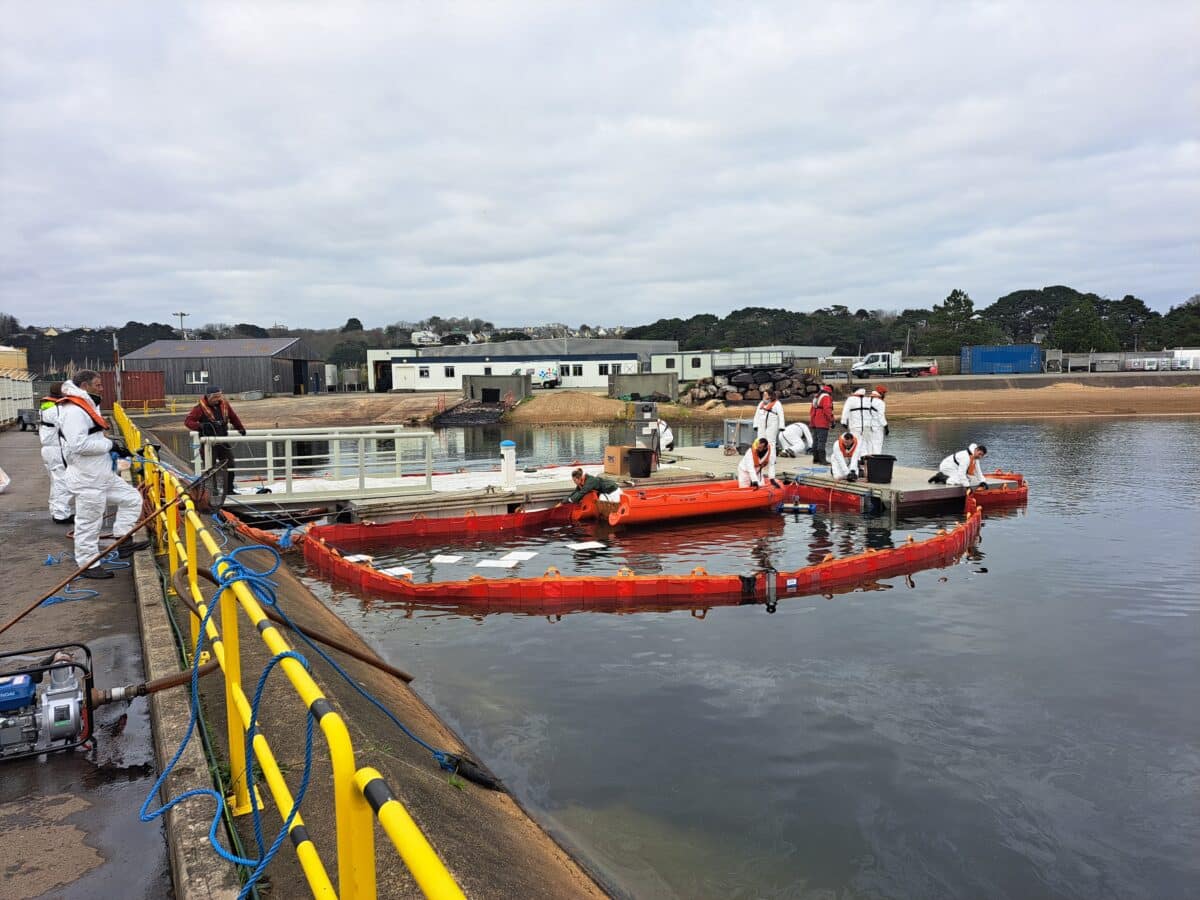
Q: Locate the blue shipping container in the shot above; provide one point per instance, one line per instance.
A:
(1011, 359)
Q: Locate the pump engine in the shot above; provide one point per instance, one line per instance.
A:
(47, 706)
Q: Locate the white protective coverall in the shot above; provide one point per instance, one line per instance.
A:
(842, 465)
(879, 422)
(858, 414)
(62, 504)
(749, 470)
(91, 477)
(796, 438)
(666, 437)
(768, 421)
(955, 467)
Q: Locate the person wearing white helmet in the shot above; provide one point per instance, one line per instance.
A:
(963, 469)
(92, 472)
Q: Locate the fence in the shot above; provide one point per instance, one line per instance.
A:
(16, 393)
(180, 533)
(361, 461)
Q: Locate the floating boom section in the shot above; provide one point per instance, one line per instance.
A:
(638, 507)
(1013, 492)
(555, 592)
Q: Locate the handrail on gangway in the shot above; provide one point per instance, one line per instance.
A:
(374, 464)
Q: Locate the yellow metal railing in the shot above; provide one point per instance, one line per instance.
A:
(360, 795)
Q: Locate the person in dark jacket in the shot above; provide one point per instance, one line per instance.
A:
(605, 488)
(213, 417)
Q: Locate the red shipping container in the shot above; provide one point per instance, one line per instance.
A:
(139, 390)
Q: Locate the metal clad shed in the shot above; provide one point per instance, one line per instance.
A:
(270, 365)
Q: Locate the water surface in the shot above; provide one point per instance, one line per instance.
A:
(1022, 724)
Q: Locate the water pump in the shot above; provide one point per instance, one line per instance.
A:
(46, 707)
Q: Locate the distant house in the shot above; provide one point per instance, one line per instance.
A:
(271, 365)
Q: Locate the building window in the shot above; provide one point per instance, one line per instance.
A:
(423, 372)
(577, 371)
(671, 363)
(564, 369)
(196, 377)
(449, 371)
(603, 367)
(487, 370)
(695, 362)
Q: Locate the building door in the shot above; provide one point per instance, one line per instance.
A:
(404, 378)
(383, 377)
(299, 376)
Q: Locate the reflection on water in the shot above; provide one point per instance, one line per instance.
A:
(1030, 730)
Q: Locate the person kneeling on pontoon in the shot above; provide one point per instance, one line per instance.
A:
(758, 465)
(963, 469)
(795, 440)
(846, 456)
(605, 488)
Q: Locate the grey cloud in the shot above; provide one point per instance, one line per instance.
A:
(608, 164)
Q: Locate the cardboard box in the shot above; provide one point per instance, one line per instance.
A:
(616, 460)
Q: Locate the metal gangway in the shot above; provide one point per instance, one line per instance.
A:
(322, 464)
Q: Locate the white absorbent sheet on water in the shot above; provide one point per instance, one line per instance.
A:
(397, 571)
(520, 555)
(359, 558)
(587, 545)
(443, 559)
(496, 563)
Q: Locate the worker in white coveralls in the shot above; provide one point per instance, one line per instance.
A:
(62, 504)
(795, 440)
(92, 472)
(768, 418)
(878, 429)
(846, 455)
(859, 415)
(758, 465)
(666, 437)
(963, 469)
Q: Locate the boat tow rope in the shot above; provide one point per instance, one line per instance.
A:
(264, 591)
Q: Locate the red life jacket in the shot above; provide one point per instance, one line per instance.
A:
(821, 414)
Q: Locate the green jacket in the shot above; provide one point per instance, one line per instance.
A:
(593, 483)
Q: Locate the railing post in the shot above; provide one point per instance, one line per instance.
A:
(270, 460)
(197, 462)
(171, 524)
(352, 813)
(396, 450)
(428, 462)
(189, 539)
(240, 802)
(362, 463)
(287, 465)
(336, 456)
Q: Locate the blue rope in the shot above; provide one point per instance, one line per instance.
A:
(264, 591)
(260, 863)
(70, 593)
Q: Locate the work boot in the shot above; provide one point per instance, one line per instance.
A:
(67, 521)
(127, 550)
(96, 572)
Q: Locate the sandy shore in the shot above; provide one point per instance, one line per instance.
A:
(1060, 400)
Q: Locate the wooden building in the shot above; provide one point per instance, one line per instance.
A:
(270, 365)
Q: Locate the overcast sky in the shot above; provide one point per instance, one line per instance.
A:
(607, 163)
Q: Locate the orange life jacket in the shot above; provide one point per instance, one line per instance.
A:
(760, 461)
(99, 422)
(848, 449)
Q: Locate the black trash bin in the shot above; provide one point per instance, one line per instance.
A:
(640, 461)
(879, 467)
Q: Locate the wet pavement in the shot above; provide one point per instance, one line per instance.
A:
(69, 821)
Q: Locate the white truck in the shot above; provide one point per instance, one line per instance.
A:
(893, 363)
(541, 375)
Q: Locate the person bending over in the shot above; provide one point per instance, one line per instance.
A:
(963, 469)
(758, 465)
(847, 453)
(604, 488)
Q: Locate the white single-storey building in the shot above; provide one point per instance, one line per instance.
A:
(692, 365)
(579, 363)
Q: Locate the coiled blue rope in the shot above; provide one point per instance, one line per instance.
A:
(264, 591)
(259, 864)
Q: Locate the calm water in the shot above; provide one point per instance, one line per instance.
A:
(1024, 724)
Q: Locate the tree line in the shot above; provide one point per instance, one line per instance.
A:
(1058, 317)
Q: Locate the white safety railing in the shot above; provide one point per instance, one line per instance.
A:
(356, 461)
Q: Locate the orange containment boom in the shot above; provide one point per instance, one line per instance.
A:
(554, 592)
(1014, 491)
(640, 506)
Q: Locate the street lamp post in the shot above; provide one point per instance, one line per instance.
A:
(181, 317)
